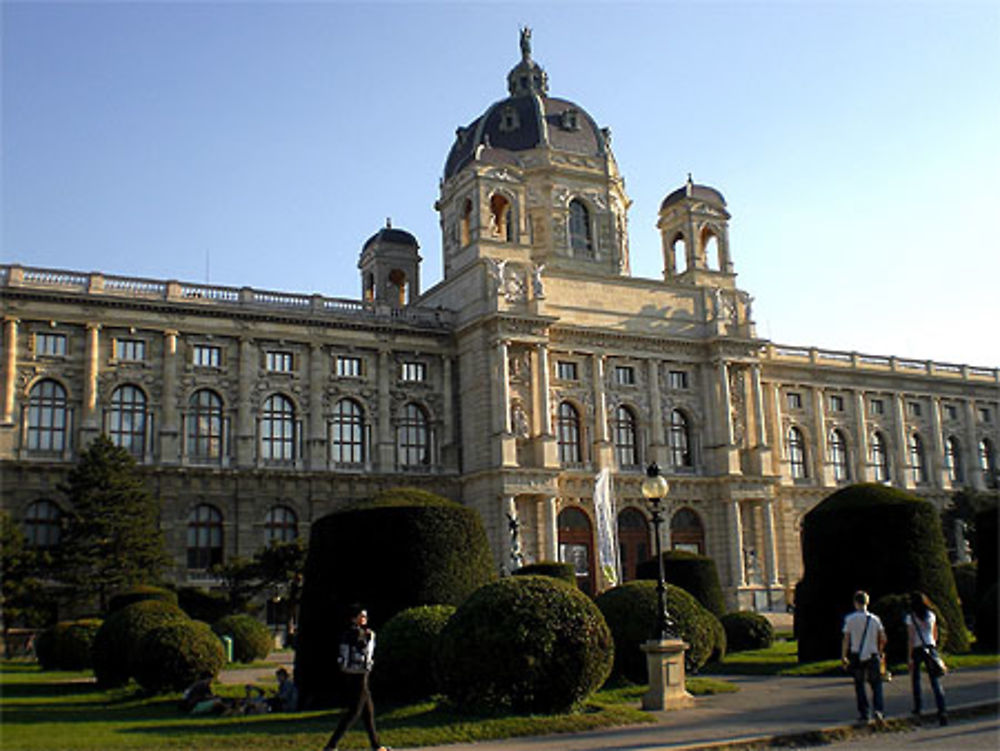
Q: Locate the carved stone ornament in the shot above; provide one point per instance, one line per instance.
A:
(520, 423)
(738, 402)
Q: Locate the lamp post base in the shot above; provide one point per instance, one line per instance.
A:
(665, 665)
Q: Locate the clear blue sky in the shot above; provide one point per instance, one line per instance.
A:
(857, 143)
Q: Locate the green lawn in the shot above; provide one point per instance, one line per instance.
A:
(45, 711)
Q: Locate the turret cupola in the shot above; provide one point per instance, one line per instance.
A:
(390, 267)
(694, 227)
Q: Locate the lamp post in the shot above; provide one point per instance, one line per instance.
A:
(654, 490)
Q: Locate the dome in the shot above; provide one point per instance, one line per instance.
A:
(390, 235)
(698, 192)
(525, 120)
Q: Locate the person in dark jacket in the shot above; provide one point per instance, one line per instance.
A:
(355, 659)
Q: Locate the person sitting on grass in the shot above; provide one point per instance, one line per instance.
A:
(287, 697)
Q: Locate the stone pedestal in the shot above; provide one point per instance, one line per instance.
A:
(665, 664)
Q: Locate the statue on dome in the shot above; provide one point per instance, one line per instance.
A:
(526, 42)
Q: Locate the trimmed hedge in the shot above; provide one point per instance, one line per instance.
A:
(202, 604)
(434, 552)
(173, 656)
(68, 645)
(116, 644)
(746, 630)
(555, 569)
(630, 610)
(695, 574)
(404, 668)
(138, 594)
(524, 644)
(879, 539)
(965, 584)
(251, 639)
(987, 626)
(892, 610)
(988, 570)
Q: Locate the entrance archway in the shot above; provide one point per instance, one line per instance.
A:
(576, 546)
(687, 532)
(633, 541)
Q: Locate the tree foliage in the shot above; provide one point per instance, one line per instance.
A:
(25, 599)
(276, 568)
(112, 538)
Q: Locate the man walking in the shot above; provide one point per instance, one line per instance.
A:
(861, 653)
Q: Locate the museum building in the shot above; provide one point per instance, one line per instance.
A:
(535, 363)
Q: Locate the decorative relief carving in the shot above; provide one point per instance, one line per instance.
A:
(737, 397)
(519, 421)
(519, 364)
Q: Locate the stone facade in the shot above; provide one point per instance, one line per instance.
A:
(535, 363)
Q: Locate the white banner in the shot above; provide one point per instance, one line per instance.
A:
(607, 529)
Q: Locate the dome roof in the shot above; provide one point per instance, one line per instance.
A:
(699, 192)
(389, 235)
(525, 120)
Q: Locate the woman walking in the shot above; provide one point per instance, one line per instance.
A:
(922, 633)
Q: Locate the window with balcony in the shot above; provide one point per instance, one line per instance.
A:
(48, 417)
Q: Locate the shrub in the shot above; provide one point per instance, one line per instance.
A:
(524, 644)
(555, 569)
(879, 539)
(138, 594)
(746, 630)
(987, 627)
(203, 605)
(965, 583)
(720, 642)
(987, 522)
(67, 645)
(892, 609)
(404, 669)
(116, 644)
(251, 639)
(630, 611)
(695, 574)
(174, 655)
(436, 553)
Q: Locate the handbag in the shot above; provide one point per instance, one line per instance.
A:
(932, 660)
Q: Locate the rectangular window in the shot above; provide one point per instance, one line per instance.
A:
(566, 370)
(279, 362)
(836, 403)
(951, 411)
(130, 350)
(678, 379)
(349, 367)
(794, 400)
(914, 409)
(414, 371)
(52, 345)
(625, 375)
(877, 406)
(207, 356)
(985, 415)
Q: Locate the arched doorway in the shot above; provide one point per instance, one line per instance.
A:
(633, 541)
(687, 532)
(576, 546)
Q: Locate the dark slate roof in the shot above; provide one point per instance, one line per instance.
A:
(700, 192)
(390, 235)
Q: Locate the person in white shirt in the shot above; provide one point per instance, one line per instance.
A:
(861, 652)
(922, 636)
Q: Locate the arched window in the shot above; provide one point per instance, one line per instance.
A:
(568, 434)
(988, 463)
(680, 440)
(953, 459)
(397, 278)
(413, 439)
(42, 524)
(500, 218)
(580, 238)
(633, 541)
(576, 546)
(687, 532)
(204, 537)
(839, 456)
(277, 429)
(347, 441)
(204, 426)
(127, 419)
(626, 438)
(679, 245)
(918, 467)
(797, 454)
(465, 223)
(879, 458)
(280, 525)
(48, 417)
(710, 249)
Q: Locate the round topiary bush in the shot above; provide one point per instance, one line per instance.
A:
(892, 610)
(630, 611)
(404, 670)
(202, 604)
(524, 644)
(879, 539)
(176, 654)
(67, 645)
(987, 626)
(138, 594)
(116, 644)
(695, 574)
(747, 630)
(555, 569)
(251, 638)
(434, 552)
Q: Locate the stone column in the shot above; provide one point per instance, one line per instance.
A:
(386, 444)
(317, 422)
(725, 405)
(502, 390)
(91, 415)
(736, 569)
(447, 417)
(9, 370)
(603, 455)
(904, 477)
(246, 438)
(777, 432)
(657, 442)
(551, 536)
(543, 412)
(972, 447)
(770, 546)
(935, 467)
(170, 443)
(861, 473)
(821, 464)
(757, 392)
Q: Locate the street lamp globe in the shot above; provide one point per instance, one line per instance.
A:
(654, 490)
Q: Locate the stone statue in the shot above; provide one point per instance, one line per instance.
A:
(525, 42)
(536, 280)
(496, 269)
